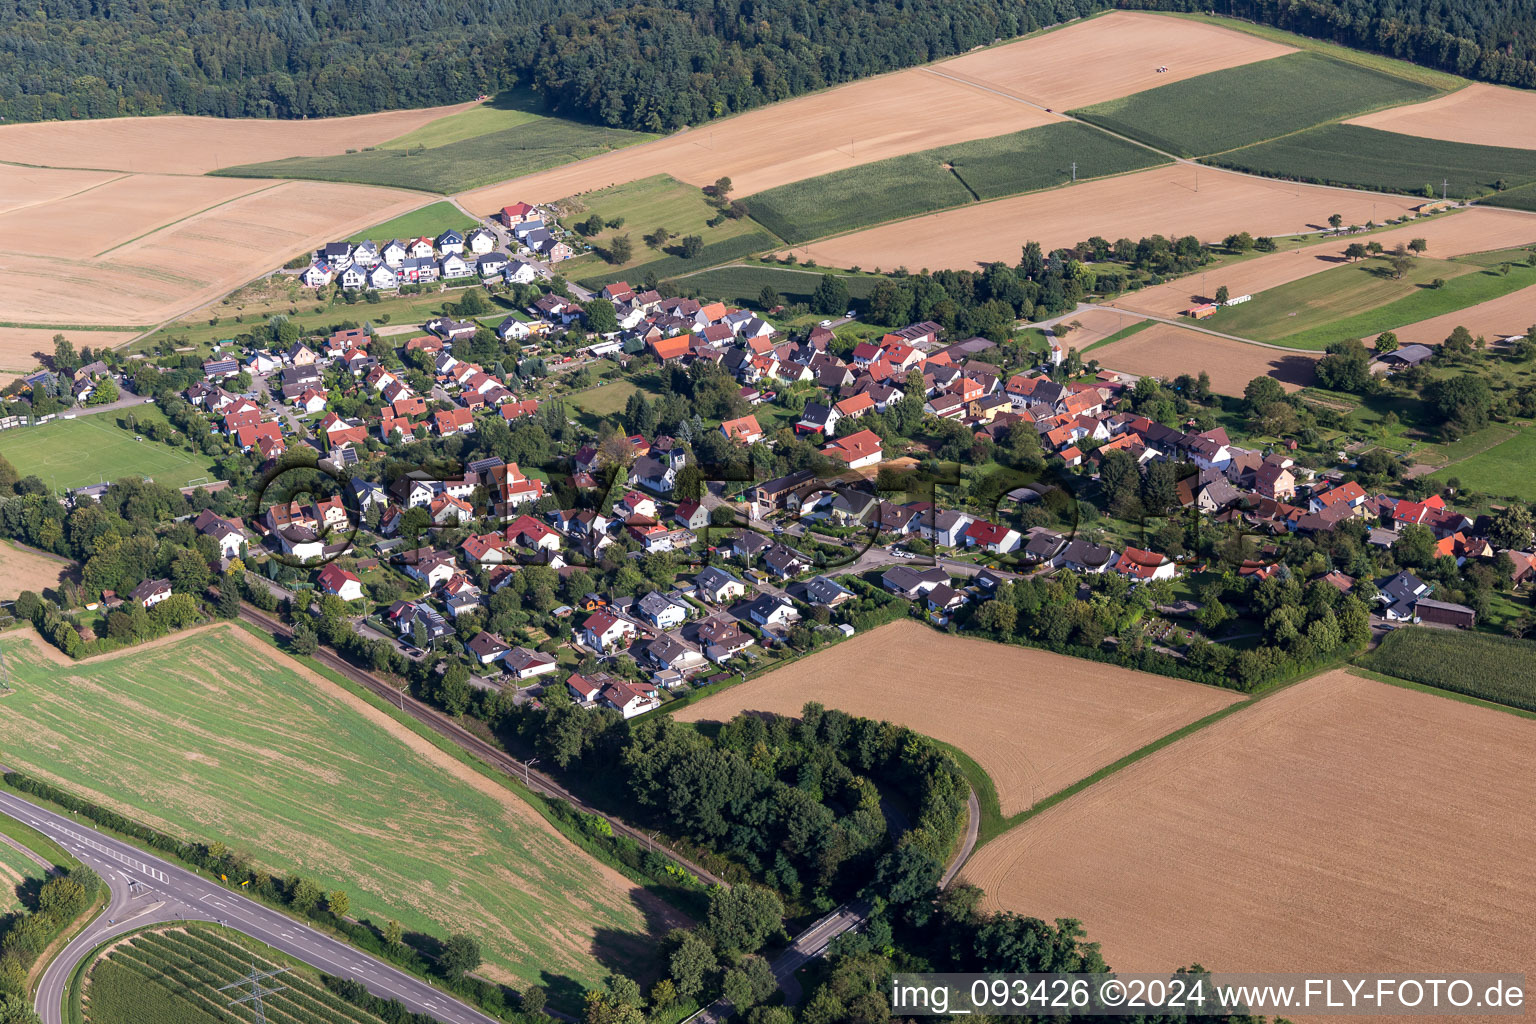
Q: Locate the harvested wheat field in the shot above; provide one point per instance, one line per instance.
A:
(1338, 825)
(1163, 200)
(857, 123)
(1476, 230)
(20, 346)
(213, 734)
(1166, 350)
(1036, 722)
(1484, 115)
(21, 187)
(1108, 57)
(192, 261)
(1094, 325)
(24, 569)
(1497, 318)
(117, 211)
(179, 144)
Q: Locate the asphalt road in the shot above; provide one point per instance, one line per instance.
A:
(148, 890)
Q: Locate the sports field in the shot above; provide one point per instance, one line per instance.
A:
(1357, 157)
(214, 735)
(1172, 200)
(1164, 350)
(179, 144)
(1447, 236)
(1243, 105)
(1036, 722)
(1485, 115)
(172, 975)
(94, 449)
(935, 179)
(1340, 824)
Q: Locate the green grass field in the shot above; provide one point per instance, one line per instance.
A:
(459, 165)
(662, 267)
(936, 179)
(430, 221)
(1356, 157)
(660, 201)
(1505, 470)
(92, 449)
(17, 871)
(215, 737)
(1321, 299)
(1419, 304)
(508, 110)
(1238, 106)
(743, 284)
(173, 976)
(1495, 668)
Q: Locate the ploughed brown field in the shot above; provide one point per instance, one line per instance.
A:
(181, 144)
(1164, 350)
(1036, 722)
(1497, 318)
(1178, 199)
(1476, 230)
(23, 569)
(20, 346)
(1338, 825)
(1485, 115)
(159, 245)
(1108, 57)
(977, 96)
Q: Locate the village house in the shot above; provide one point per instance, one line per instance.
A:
(333, 579)
(606, 633)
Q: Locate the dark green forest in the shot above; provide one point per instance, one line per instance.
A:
(635, 65)
(1490, 40)
(625, 64)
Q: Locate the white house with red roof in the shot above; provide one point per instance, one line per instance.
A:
(856, 450)
(1140, 564)
(333, 579)
(528, 532)
(604, 631)
(999, 540)
(745, 429)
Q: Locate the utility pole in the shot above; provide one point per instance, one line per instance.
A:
(1445, 186)
(1074, 170)
(527, 765)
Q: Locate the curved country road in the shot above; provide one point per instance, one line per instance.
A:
(148, 890)
(967, 842)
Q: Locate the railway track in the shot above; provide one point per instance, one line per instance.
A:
(451, 730)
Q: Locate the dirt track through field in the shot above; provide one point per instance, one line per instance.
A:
(1036, 722)
(180, 144)
(1179, 199)
(1484, 115)
(1166, 351)
(203, 251)
(1110, 56)
(1476, 230)
(1338, 825)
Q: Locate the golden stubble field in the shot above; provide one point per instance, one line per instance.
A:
(20, 346)
(979, 95)
(1166, 350)
(156, 246)
(24, 569)
(1036, 722)
(1476, 230)
(181, 144)
(1497, 318)
(1178, 199)
(1338, 825)
(1485, 115)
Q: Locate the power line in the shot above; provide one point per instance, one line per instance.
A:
(254, 980)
